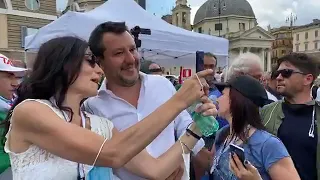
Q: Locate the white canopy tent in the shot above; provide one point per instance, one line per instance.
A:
(167, 44)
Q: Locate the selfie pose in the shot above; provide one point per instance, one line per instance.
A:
(48, 137)
(244, 150)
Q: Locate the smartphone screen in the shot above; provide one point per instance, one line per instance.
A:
(199, 61)
(239, 152)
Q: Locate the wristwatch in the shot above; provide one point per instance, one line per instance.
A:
(191, 133)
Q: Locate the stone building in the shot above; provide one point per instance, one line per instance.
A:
(306, 38)
(181, 15)
(20, 18)
(236, 21)
(282, 44)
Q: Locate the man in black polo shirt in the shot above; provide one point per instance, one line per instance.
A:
(295, 119)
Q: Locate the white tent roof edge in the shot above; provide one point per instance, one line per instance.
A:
(163, 36)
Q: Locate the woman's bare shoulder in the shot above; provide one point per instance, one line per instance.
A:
(32, 106)
(32, 110)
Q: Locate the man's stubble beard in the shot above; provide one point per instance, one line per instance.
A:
(287, 94)
(128, 82)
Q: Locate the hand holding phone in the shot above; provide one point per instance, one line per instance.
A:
(243, 172)
(239, 151)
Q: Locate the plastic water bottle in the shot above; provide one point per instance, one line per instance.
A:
(208, 125)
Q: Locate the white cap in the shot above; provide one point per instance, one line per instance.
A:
(7, 66)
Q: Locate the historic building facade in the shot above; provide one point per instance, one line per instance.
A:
(306, 38)
(181, 15)
(282, 44)
(20, 18)
(235, 20)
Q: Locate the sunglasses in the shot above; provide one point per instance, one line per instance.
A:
(92, 60)
(286, 73)
(155, 70)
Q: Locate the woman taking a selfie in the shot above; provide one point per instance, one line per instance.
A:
(264, 156)
(49, 137)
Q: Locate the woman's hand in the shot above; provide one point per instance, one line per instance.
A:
(249, 172)
(193, 88)
(207, 108)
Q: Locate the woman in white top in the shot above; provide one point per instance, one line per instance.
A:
(50, 138)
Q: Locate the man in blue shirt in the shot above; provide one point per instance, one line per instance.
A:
(201, 162)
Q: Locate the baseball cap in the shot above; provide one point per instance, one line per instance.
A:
(7, 66)
(144, 67)
(248, 87)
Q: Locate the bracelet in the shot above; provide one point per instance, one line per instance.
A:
(193, 134)
(95, 160)
(189, 125)
(189, 149)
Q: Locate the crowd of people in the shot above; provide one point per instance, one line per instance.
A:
(55, 124)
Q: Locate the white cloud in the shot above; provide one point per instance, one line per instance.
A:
(61, 4)
(194, 10)
(196, 3)
(275, 12)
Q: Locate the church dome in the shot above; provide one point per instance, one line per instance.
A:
(233, 7)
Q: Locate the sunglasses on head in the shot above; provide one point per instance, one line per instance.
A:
(286, 73)
(92, 60)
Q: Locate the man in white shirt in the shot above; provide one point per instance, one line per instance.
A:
(127, 95)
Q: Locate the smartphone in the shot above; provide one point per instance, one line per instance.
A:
(199, 61)
(239, 152)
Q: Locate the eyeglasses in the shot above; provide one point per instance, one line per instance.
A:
(286, 73)
(155, 70)
(92, 60)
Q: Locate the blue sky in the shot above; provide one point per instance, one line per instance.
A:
(273, 12)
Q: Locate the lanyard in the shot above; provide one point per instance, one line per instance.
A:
(81, 174)
(224, 148)
(80, 167)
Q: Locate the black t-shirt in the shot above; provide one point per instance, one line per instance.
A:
(294, 133)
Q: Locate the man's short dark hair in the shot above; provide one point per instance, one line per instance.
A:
(209, 54)
(274, 69)
(303, 62)
(96, 37)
